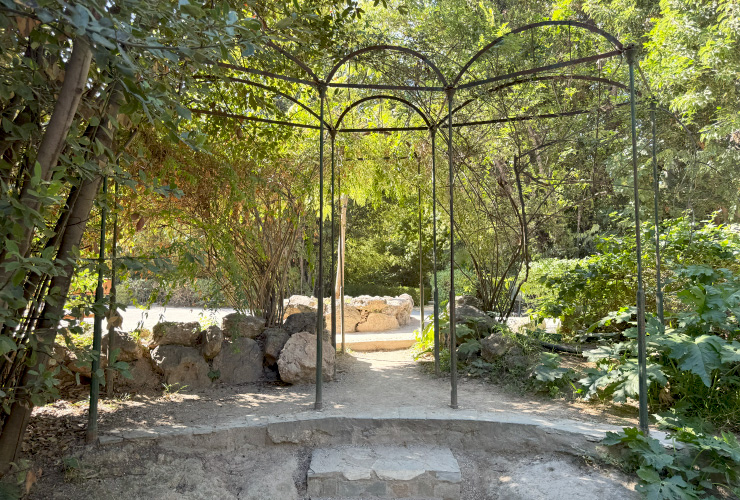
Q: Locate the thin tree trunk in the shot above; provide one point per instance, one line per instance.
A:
(55, 136)
(46, 330)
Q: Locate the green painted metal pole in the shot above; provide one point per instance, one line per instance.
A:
(453, 333)
(631, 53)
(113, 292)
(656, 197)
(434, 251)
(318, 404)
(421, 260)
(332, 135)
(341, 264)
(92, 417)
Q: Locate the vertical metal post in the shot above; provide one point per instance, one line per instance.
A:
(656, 196)
(631, 53)
(453, 336)
(332, 135)
(113, 293)
(341, 261)
(318, 403)
(421, 260)
(92, 417)
(434, 250)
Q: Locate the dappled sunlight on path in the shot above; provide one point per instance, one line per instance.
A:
(376, 382)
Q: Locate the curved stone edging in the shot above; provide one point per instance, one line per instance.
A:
(457, 429)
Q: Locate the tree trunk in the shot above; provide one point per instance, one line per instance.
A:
(55, 137)
(46, 330)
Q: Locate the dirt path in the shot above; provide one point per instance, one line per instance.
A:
(374, 381)
(365, 381)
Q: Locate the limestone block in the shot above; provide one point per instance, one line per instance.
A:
(211, 342)
(182, 365)
(377, 322)
(299, 304)
(172, 333)
(368, 303)
(241, 325)
(144, 379)
(297, 362)
(128, 346)
(495, 346)
(400, 307)
(301, 322)
(239, 362)
(352, 317)
(274, 340)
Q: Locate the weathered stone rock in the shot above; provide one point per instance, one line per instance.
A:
(144, 379)
(171, 333)
(60, 355)
(400, 307)
(352, 317)
(516, 361)
(274, 340)
(211, 341)
(356, 312)
(301, 322)
(129, 348)
(83, 367)
(181, 365)
(83, 364)
(468, 300)
(474, 318)
(278, 484)
(368, 303)
(377, 322)
(495, 346)
(241, 325)
(297, 362)
(299, 304)
(239, 362)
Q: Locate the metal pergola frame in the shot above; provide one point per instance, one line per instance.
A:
(449, 89)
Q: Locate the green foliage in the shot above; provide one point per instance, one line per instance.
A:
(465, 283)
(583, 292)
(692, 470)
(383, 244)
(696, 361)
(549, 369)
(141, 292)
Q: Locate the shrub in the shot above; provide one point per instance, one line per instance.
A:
(693, 362)
(582, 292)
(702, 465)
(201, 292)
(465, 283)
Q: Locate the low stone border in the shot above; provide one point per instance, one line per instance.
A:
(457, 429)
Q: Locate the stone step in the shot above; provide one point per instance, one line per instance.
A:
(400, 472)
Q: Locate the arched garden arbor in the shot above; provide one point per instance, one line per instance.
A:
(416, 79)
(440, 104)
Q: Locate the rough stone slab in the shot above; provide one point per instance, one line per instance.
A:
(385, 472)
(495, 432)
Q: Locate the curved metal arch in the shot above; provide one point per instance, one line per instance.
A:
(396, 48)
(543, 78)
(612, 39)
(387, 97)
(280, 93)
(293, 58)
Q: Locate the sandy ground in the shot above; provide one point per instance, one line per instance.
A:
(373, 380)
(364, 381)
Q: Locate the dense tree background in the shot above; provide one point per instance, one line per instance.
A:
(146, 94)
